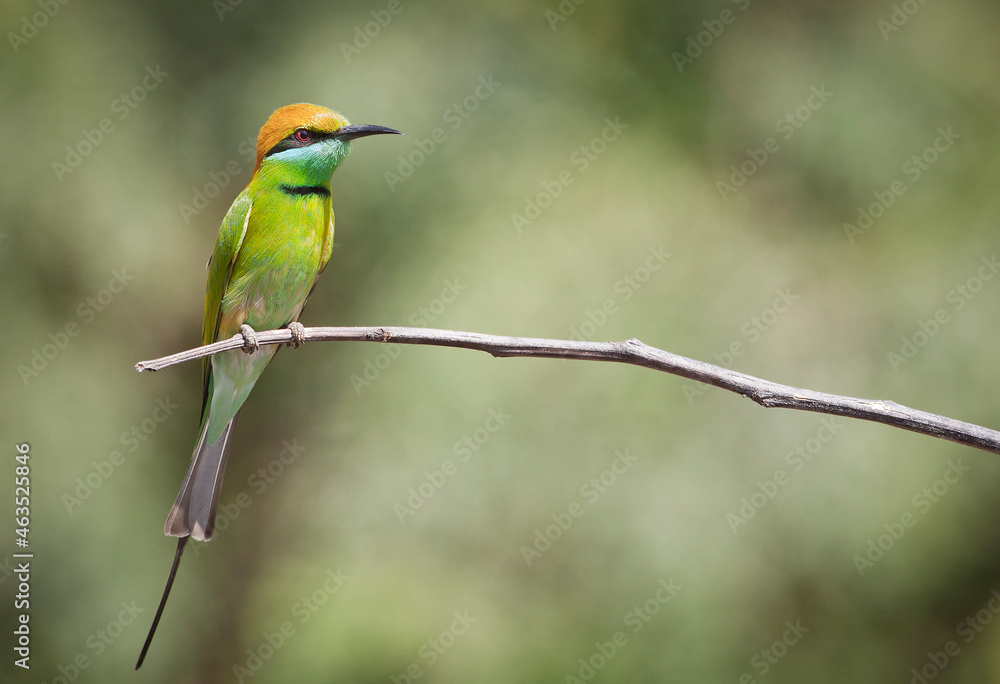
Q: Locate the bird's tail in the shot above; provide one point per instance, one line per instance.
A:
(194, 510)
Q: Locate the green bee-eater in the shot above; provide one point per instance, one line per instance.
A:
(274, 242)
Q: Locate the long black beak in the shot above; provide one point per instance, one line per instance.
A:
(362, 130)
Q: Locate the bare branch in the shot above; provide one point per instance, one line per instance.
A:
(764, 392)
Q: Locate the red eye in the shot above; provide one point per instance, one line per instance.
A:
(302, 135)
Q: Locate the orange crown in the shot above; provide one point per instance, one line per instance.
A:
(283, 122)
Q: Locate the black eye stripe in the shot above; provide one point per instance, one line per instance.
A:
(292, 141)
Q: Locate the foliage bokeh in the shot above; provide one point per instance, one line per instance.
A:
(375, 423)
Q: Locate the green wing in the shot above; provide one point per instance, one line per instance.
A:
(220, 270)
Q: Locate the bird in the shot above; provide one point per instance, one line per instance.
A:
(274, 242)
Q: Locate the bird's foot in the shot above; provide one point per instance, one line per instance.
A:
(298, 334)
(250, 343)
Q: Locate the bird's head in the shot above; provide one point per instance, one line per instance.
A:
(312, 139)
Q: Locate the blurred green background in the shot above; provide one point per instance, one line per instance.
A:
(403, 514)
